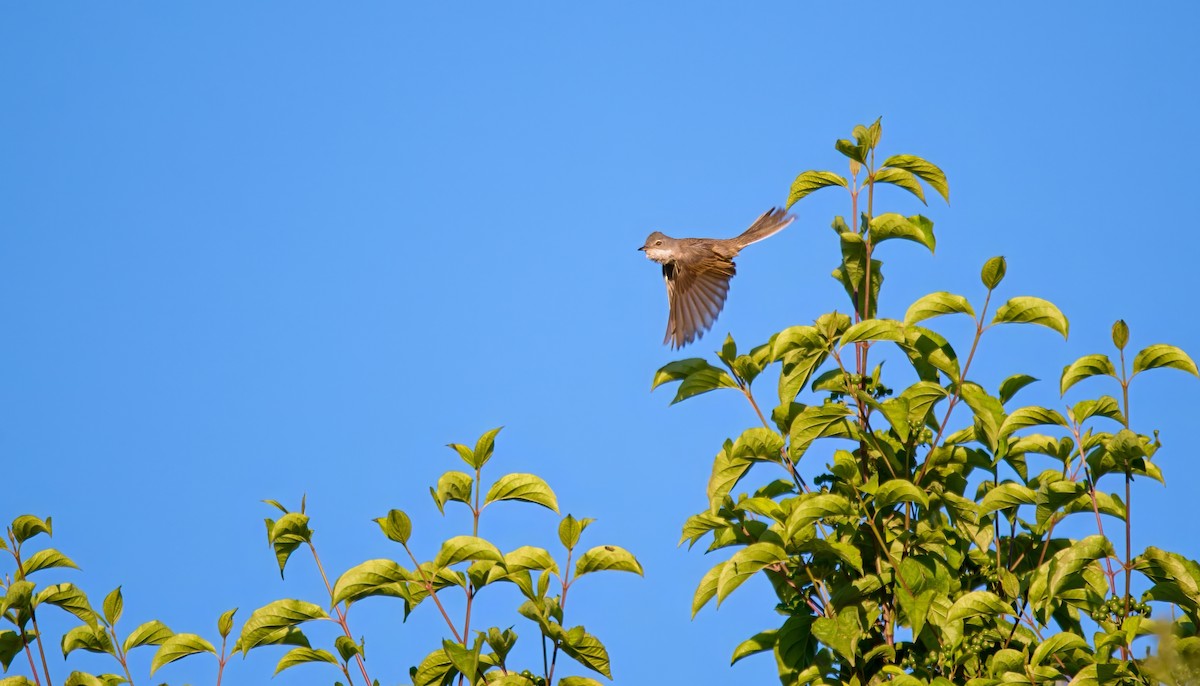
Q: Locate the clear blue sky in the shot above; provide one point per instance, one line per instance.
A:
(255, 250)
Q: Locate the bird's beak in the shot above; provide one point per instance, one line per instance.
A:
(643, 248)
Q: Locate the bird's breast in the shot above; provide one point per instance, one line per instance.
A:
(659, 255)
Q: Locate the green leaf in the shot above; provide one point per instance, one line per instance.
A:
(1085, 367)
(485, 446)
(26, 527)
(269, 619)
(434, 670)
(703, 381)
(849, 149)
(978, 603)
(85, 679)
(93, 639)
(903, 179)
(900, 491)
(1104, 406)
(1058, 643)
(527, 487)
(758, 643)
(570, 529)
(396, 526)
(728, 469)
(707, 587)
(840, 633)
(1030, 416)
(993, 272)
(930, 352)
(11, 644)
(607, 557)
(988, 410)
(151, 633)
(69, 598)
(813, 422)
(452, 486)
(113, 605)
(573, 681)
(874, 330)
(299, 656)
(1162, 355)
(917, 229)
(1014, 383)
(1030, 310)
(811, 507)
(178, 647)
(1120, 334)
(461, 548)
(465, 660)
(16, 681)
(46, 559)
(346, 647)
(18, 596)
(225, 622)
(678, 371)
(378, 577)
(286, 535)
(937, 304)
(921, 398)
(745, 563)
(925, 170)
(1006, 495)
(529, 557)
(810, 181)
(587, 650)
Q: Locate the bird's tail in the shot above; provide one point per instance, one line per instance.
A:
(768, 224)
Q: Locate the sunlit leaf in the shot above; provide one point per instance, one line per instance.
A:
(607, 557)
(299, 656)
(178, 647)
(935, 305)
(526, 487)
(874, 330)
(745, 563)
(917, 229)
(151, 633)
(1085, 367)
(903, 179)
(460, 548)
(707, 587)
(380, 577)
(273, 617)
(1162, 355)
(926, 171)
(1030, 310)
(810, 181)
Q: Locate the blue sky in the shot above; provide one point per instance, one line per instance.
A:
(259, 250)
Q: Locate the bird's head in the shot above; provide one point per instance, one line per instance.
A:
(658, 247)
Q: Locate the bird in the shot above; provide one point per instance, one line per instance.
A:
(698, 270)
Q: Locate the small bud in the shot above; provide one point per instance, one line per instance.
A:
(855, 167)
(993, 272)
(1120, 334)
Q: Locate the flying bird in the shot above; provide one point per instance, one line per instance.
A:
(698, 270)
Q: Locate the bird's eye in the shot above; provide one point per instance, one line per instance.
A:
(658, 242)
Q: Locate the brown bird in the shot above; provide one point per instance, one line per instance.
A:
(697, 272)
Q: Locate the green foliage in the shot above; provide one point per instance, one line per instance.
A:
(465, 564)
(925, 551)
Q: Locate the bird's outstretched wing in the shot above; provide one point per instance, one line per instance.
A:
(696, 293)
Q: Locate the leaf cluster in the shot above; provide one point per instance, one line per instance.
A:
(925, 549)
(465, 563)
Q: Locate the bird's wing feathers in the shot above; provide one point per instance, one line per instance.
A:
(696, 293)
